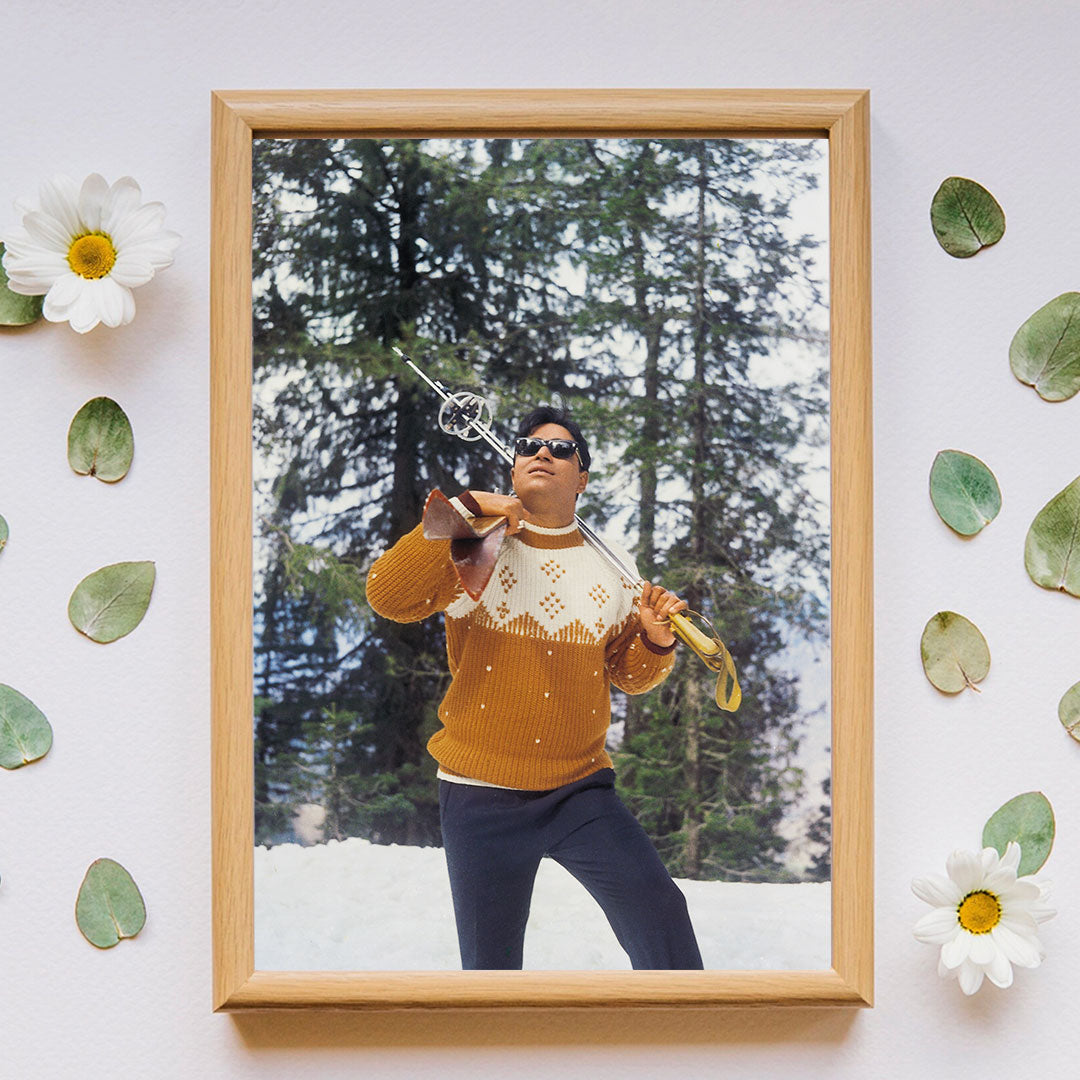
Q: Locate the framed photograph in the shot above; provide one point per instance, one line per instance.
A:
(686, 275)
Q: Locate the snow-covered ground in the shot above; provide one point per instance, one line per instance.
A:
(357, 906)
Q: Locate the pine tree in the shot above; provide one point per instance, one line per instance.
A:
(361, 244)
(686, 252)
(471, 256)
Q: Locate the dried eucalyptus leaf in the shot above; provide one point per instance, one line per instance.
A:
(16, 309)
(1045, 351)
(1052, 548)
(1069, 711)
(112, 601)
(25, 734)
(965, 217)
(100, 441)
(110, 906)
(955, 655)
(1029, 820)
(4, 534)
(964, 492)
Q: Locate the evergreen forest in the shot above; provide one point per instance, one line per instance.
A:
(665, 293)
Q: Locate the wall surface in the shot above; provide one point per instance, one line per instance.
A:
(986, 90)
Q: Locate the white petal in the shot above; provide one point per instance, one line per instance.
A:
(30, 284)
(92, 199)
(999, 880)
(1040, 912)
(24, 207)
(937, 890)
(20, 247)
(158, 252)
(129, 306)
(999, 971)
(165, 243)
(111, 302)
(955, 952)
(123, 199)
(989, 859)
(131, 270)
(1022, 951)
(61, 298)
(971, 977)
(1020, 891)
(120, 300)
(32, 274)
(983, 949)
(65, 291)
(85, 313)
(1044, 883)
(139, 226)
(1020, 921)
(1011, 858)
(60, 198)
(965, 868)
(938, 926)
(32, 258)
(14, 235)
(47, 233)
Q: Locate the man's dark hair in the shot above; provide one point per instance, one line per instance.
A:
(548, 414)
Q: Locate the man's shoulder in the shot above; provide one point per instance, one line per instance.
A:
(624, 556)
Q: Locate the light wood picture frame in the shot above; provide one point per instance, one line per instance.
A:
(841, 117)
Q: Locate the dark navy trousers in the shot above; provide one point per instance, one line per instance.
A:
(494, 840)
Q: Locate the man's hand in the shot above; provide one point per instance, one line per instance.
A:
(508, 506)
(655, 606)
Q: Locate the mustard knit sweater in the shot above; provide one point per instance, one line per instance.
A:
(532, 660)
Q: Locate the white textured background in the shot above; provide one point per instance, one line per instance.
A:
(988, 90)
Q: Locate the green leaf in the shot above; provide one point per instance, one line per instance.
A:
(112, 601)
(1069, 711)
(110, 906)
(3, 533)
(25, 734)
(965, 217)
(1029, 820)
(954, 653)
(1052, 548)
(16, 309)
(1045, 351)
(100, 442)
(964, 492)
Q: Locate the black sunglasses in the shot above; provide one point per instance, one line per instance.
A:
(527, 446)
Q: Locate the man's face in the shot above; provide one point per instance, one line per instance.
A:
(547, 477)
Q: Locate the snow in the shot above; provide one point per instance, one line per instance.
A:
(356, 906)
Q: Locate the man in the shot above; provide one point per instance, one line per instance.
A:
(523, 772)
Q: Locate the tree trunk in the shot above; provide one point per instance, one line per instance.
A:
(651, 325)
(693, 818)
(411, 416)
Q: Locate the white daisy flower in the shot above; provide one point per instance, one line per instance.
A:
(985, 918)
(84, 249)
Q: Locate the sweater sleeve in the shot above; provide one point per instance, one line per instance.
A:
(414, 579)
(634, 663)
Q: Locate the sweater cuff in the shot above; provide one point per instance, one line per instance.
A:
(660, 650)
(470, 504)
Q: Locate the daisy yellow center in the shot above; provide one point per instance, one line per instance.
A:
(92, 255)
(979, 912)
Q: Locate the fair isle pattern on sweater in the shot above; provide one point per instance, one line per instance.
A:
(548, 583)
(532, 660)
